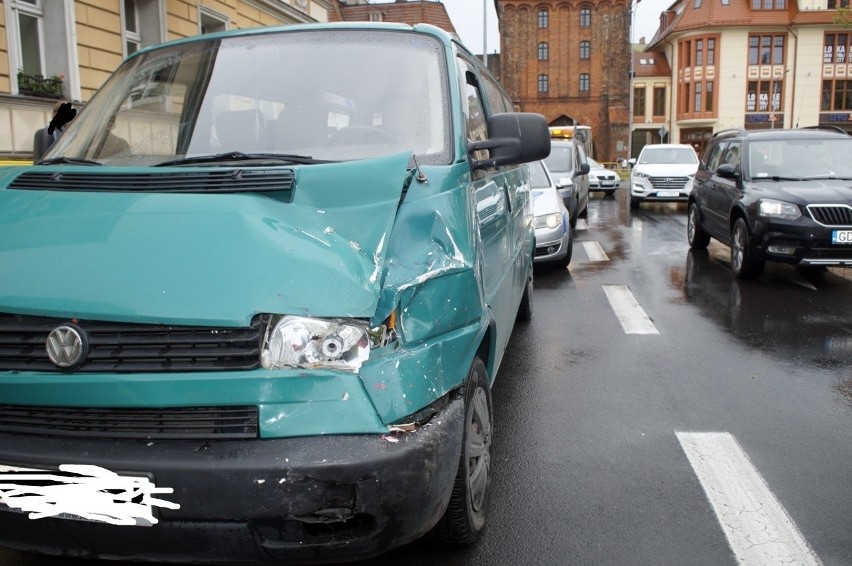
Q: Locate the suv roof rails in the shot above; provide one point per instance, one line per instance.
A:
(827, 127)
(729, 131)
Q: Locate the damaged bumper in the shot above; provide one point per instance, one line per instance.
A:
(292, 500)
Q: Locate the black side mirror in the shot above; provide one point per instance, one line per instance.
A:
(727, 171)
(584, 169)
(513, 138)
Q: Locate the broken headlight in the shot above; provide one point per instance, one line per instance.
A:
(302, 342)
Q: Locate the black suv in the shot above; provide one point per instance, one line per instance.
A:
(775, 195)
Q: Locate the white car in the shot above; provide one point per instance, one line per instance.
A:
(554, 239)
(601, 178)
(664, 172)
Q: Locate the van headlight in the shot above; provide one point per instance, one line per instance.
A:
(302, 342)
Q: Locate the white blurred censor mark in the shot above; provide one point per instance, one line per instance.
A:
(80, 491)
(757, 527)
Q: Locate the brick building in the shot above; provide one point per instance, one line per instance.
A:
(571, 63)
(403, 11)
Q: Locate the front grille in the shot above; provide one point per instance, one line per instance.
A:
(213, 181)
(182, 423)
(668, 183)
(831, 214)
(120, 347)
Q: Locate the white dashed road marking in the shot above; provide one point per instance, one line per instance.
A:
(757, 527)
(595, 251)
(631, 316)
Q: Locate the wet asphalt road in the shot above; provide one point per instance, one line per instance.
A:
(587, 467)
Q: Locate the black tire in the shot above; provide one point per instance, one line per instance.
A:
(525, 310)
(744, 260)
(563, 263)
(696, 236)
(575, 213)
(634, 203)
(609, 193)
(464, 520)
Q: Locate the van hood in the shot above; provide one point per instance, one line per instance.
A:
(201, 258)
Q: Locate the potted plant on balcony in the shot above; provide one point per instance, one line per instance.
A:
(38, 85)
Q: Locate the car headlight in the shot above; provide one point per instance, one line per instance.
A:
(778, 209)
(302, 342)
(550, 220)
(639, 175)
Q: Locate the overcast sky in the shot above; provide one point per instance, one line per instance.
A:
(467, 17)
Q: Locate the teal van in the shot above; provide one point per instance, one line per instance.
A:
(253, 301)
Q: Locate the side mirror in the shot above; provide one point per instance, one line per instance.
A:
(631, 162)
(513, 138)
(727, 171)
(584, 169)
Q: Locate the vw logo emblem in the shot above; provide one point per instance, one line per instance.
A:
(66, 346)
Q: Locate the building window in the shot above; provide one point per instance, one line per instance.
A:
(130, 20)
(836, 95)
(639, 102)
(375, 16)
(836, 48)
(543, 17)
(697, 4)
(29, 18)
(659, 101)
(766, 50)
(835, 4)
(542, 51)
(585, 17)
(687, 54)
(542, 83)
(696, 91)
(708, 97)
(585, 83)
(711, 52)
(768, 4)
(699, 52)
(210, 21)
(585, 49)
(764, 96)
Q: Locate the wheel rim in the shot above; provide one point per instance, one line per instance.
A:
(691, 224)
(738, 244)
(478, 449)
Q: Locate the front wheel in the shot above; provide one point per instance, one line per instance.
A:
(744, 260)
(695, 234)
(634, 203)
(464, 519)
(525, 310)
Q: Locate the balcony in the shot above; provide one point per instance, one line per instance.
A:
(42, 87)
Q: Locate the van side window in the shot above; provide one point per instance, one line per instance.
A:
(474, 110)
(496, 99)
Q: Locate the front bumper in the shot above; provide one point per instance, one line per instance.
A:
(292, 500)
(551, 244)
(801, 242)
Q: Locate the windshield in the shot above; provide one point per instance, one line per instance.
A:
(329, 95)
(668, 155)
(560, 158)
(801, 158)
(539, 178)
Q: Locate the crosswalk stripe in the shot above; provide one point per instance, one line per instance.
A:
(631, 316)
(595, 251)
(757, 527)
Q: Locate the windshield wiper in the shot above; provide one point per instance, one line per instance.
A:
(68, 161)
(240, 156)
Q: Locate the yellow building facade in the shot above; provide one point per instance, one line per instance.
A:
(66, 49)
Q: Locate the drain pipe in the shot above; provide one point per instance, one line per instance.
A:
(793, 86)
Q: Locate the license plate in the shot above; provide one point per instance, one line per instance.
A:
(664, 194)
(841, 237)
(81, 493)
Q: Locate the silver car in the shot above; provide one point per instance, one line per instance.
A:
(554, 239)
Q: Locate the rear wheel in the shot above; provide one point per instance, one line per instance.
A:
(525, 310)
(695, 234)
(634, 203)
(464, 519)
(744, 260)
